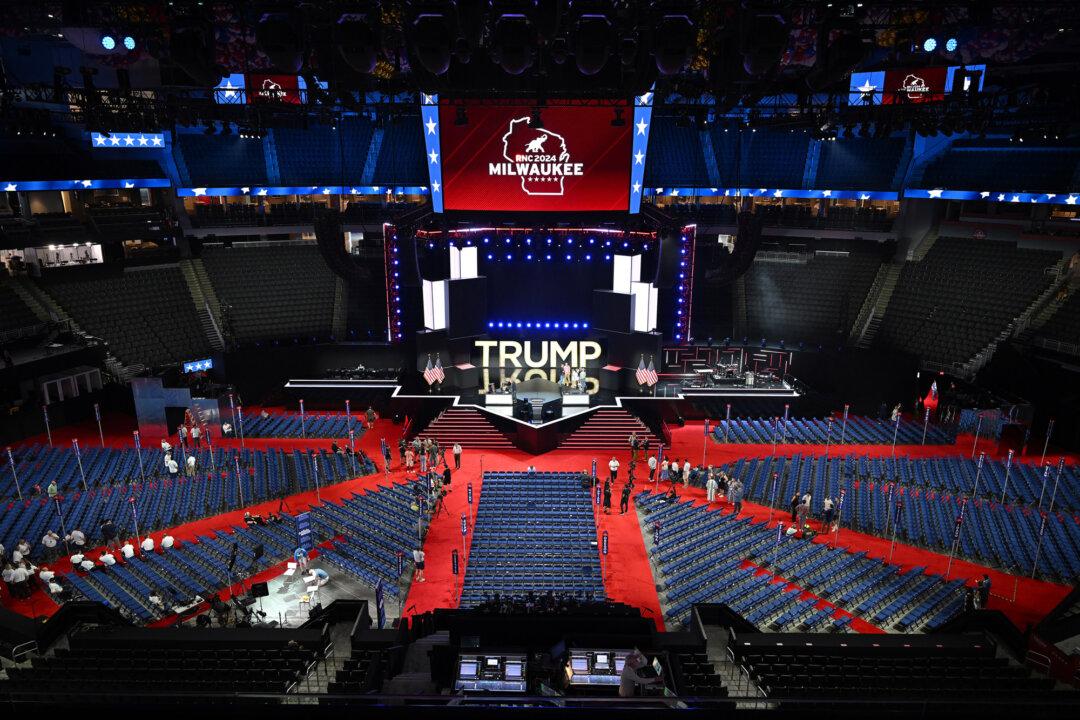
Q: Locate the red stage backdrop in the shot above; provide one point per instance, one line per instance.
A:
(500, 161)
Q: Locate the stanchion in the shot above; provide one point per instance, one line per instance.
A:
(775, 487)
(978, 428)
(828, 436)
(239, 484)
(925, 424)
(1042, 491)
(240, 408)
(843, 425)
(48, 428)
(896, 521)
(352, 455)
(727, 423)
(78, 458)
(135, 518)
(210, 448)
(1046, 444)
(303, 427)
(1042, 525)
(1008, 469)
(138, 453)
(956, 537)
(100, 432)
(776, 546)
(704, 443)
(896, 429)
(783, 428)
(315, 475)
(15, 475)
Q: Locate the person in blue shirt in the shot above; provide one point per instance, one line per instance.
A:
(318, 576)
(301, 557)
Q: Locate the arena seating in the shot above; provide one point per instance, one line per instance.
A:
(815, 431)
(728, 570)
(58, 229)
(675, 156)
(161, 665)
(320, 154)
(375, 528)
(113, 477)
(859, 163)
(284, 291)
(949, 306)
(811, 296)
(772, 159)
(117, 224)
(401, 155)
(14, 314)
(946, 668)
(534, 532)
(361, 674)
(147, 315)
(314, 425)
(220, 160)
(985, 165)
(929, 492)
(277, 213)
(1064, 325)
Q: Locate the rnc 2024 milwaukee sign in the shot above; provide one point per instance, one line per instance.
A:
(515, 360)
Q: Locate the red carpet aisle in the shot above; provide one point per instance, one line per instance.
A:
(627, 574)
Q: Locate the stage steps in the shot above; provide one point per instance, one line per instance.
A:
(609, 428)
(467, 426)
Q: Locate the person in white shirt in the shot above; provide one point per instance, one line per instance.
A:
(710, 488)
(87, 565)
(630, 678)
(613, 466)
(23, 547)
(652, 468)
(19, 587)
(45, 574)
(457, 456)
(55, 589)
(128, 550)
(196, 437)
(17, 556)
(166, 447)
(108, 559)
(167, 542)
(148, 544)
(171, 466)
(76, 538)
(418, 561)
(686, 473)
(191, 466)
(49, 542)
(76, 559)
(156, 600)
(181, 432)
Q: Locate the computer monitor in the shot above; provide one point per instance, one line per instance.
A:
(657, 667)
(579, 664)
(467, 669)
(493, 662)
(620, 663)
(513, 670)
(601, 660)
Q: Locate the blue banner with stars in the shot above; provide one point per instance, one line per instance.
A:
(642, 121)
(429, 116)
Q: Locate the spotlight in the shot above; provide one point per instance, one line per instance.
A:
(357, 41)
(929, 45)
(432, 37)
(951, 44)
(513, 40)
(129, 42)
(674, 45)
(592, 43)
(108, 42)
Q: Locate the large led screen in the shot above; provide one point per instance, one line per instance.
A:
(500, 158)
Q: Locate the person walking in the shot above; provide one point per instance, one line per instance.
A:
(385, 454)
(794, 506)
(370, 415)
(652, 468)
(710, 488)
(827, 514)
(457, 456)
(624, 500)
(410, 459)
(108, 532)
(735, 493)
(607, 496)
(613, 466)
(665, 473)
(401, 446)
(196, 437)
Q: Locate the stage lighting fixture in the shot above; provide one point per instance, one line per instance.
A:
(461, 116)
(592, 43)
(513, 42)
(674, 45)
(929, 44)
(432, 40)
(763, 41)
(618, 120)
(951, 44)
(108, 42)
(357, 40)
(276, 34)
(129, 42)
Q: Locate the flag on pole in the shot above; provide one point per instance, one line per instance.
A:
(779, 532)
(439, 374)
(933, 390)
(642, 374)
(653, 378)
(959, 520)
(429, 372)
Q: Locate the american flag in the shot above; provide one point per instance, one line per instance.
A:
(429, 372)
(440, 376)
(653, 378)
(642, 374)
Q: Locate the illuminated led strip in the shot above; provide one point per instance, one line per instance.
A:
(127, 140)
(1063, 198)
(429, 118)
(32, 185)
(773, 192)
(262, 191)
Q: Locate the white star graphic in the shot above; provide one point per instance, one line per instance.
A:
(99, 139)
(434, 157)
(129, 185)
(352, 191)
(1071, 200)
(713, 190)
(1015, 198)
(778, 193)
(866, 87)
(130, 141)
(143, 141)
(262, 191)
(762, 191)
(11, 187)
(637, 187)
(641, 126)
(984, 194)
(229, 88)
(326, 191)
(1051, 196)
(375, 188)
(199, 191)
(86, 183)
(245, 190)
(639, 157)
(114, 140)
(428, 100)
(934, 193)
(674, 191)
(1001, 197)
(659, 190)
(157, 141)
(434, 187)
(864, 196)
(826, 193)
(430, 124)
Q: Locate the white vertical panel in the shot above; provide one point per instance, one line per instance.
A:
(639, 307)
(439, 302)
(635, 268)
(469, 263)
(429, 317)
(455, 262)
(620, 279)
(654, 300)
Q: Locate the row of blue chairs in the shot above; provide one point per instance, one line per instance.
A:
(729, 569)
(314, 425)
(163, 502)
(930, 493)
(816, 431)
(534, 532)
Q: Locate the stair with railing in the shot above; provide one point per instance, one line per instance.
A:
(202, 305)
(866, 329)
(467, 426)
(608, 428)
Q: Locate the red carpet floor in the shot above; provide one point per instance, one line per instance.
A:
(628, 576)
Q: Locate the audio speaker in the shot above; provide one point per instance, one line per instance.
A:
(258, 551)
(259, 590)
